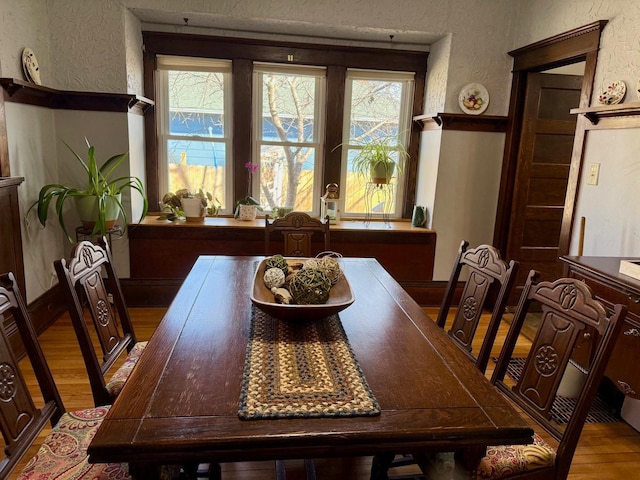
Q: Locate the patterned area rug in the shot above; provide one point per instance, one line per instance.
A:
(562, 407)
(302, 369)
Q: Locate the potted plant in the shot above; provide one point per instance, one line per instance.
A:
(379, 159)
(192, 206)
(99, 201)
(247, 207)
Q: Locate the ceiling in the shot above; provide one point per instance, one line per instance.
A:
(307, 32)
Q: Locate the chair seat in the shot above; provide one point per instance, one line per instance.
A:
(63, 454)
(120, 376)
(506, 460)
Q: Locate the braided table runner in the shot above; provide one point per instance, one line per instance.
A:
(302, 369)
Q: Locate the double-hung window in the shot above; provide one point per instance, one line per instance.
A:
(194, 126)
(377, 108)
(288, 109)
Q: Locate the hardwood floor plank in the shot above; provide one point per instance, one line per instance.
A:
(607, 451)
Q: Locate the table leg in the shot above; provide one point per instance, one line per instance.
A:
(380, 466)
(143, 471)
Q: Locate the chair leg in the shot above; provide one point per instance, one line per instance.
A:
(281, 472)
(380, 466)
(309, 468)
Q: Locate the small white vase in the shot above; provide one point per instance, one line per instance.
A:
(193, 209)
(247, 212)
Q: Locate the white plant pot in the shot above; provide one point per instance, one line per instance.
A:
(193, 209)
(247, 212)
(87, 208)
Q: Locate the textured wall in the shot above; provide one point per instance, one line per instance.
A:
(23, 24)
(619, 57)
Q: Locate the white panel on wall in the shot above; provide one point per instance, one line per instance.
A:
(467, 193)
(611, 208)
(32, 155)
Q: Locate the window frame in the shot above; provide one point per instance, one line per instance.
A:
(319, 123)
(404, 125)
(163, 132)
(243, 53)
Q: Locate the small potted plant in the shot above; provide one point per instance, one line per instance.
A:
(192, 206)
(379, 159)
(247, 207)
(98, 202)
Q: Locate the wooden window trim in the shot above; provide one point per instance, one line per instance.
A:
(243, 52)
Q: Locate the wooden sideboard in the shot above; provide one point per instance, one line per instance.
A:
(162, 251)
(611, 287)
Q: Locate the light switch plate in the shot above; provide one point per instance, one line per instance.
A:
(594, 172)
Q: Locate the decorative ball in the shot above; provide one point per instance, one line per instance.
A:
(277, 261)
(310, 263)
(273, 277)
(310, 287)
(331, 268)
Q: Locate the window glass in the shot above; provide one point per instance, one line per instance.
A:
(194, 126)
(288, 107)
(377, 107)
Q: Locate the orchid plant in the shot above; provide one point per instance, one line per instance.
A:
(248, 200)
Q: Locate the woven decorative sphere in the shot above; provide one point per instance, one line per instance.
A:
(310, 263)
(277, 261)
(330, 267)
(310, 287)
(273, 277)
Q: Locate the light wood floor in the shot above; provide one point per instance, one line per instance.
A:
(607, 451)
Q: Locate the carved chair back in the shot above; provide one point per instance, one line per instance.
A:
(21, 421)
(567, 310)
(90, 303)
(490, 279)
(297, 228)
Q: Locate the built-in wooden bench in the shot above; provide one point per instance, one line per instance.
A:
(162, 252)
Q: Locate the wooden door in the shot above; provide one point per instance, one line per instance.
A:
(542, 172)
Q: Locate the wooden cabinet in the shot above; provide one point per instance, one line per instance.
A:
(10, 236)
(11, 244)
(611, 287)
(161, 252)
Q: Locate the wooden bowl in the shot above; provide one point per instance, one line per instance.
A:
(340, 297)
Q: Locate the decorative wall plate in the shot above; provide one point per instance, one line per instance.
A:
(613, 94)
(638, 89)
(473, 99)
(30, 66)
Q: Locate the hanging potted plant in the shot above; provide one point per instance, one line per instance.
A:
(379, 160)
(98, 202)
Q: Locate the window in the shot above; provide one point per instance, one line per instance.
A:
(299, 111)
(288, 113)
(377, 108)
(194, 126)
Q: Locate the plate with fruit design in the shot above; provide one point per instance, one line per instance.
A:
(473, 99)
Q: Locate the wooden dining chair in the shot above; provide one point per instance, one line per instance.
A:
(63, 452)
(90, 303)
(490, 279)
(298, 229)
(569, 311)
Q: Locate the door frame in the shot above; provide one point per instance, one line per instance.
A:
(578, 45)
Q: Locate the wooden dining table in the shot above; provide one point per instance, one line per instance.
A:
(180, 404)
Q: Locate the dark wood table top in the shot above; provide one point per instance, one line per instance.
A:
(181, 402)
